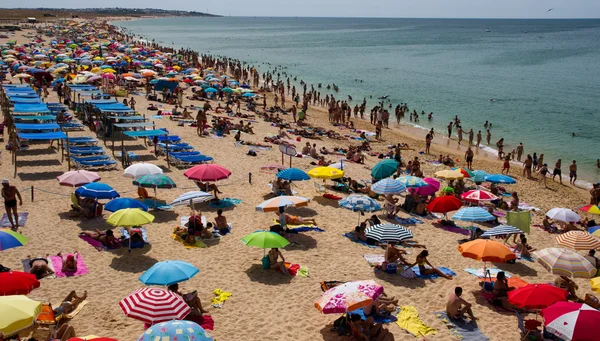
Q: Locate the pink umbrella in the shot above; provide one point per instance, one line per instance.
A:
(77, 178)
(207, 172)
(154, 305)
(572, 321)
(348, 297)
(433, 186)
(478, 195)
(93, 78)
(108, 75)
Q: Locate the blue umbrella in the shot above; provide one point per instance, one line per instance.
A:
(210, 90)
(500, 179)
(168, 272)
(97, 190)
(359, 203)
(248, 94)
(175, 330)
(473, 214)
(293, 174)
(502, 230)
(121, 203)
(388, 186)
(478, 176)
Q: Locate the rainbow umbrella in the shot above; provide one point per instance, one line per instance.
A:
(10, 239)
(593, 209)
(466, 172)
(566, 263)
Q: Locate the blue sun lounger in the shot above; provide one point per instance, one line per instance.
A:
(190, 160)
(105, 164)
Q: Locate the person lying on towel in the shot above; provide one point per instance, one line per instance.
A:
(70, 303)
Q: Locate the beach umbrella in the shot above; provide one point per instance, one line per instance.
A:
(325, 173)
(348, 297)
(272, 168)
(412, 181)
(473, 214)
(359, 203)
(384, 169)
(388, 186)
(17, 312)
(10, 239)
(154, 305)
(227, 90)
(563, 214)
(130, 217)
(17, 283)
(593, 209)
(122, 203)
(210, 90)
(140, 169)
(566, 263)
(536, 296)
(578, 240)
(22, 75)
(77, 178)
(97, 190)
(449, 174)
(207, 172)
(193, 197)
(175, 331)
(572, 321)
(444, 204)
(487, 251)
(273, 205)
(265, 240)
(433, 186)
(388, 233)
(248, 95)
(293, 174)
(500, 179)
(501, 230)
(595, 283)
(467, 173)
(168, 272)
(155, 181)
(478, 195)
(595, 231)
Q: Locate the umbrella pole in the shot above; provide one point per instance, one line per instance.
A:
(155, 197)
(358, 224)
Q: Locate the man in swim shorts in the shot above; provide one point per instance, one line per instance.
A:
(10, 194)
(573, 173)
(457, 306)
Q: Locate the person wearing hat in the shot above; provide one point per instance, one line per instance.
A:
(10, 194)
(69, 264)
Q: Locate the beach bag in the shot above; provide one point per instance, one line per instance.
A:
(409, 273)
(266, 262)
(391, 268)
(488, 286)
(341, 326)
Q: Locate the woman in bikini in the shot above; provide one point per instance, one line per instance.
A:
(69, 264)
(106, 238)
(274, 255)
(422, 261)
(39, 267)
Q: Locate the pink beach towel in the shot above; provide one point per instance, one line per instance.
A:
(93, 242)
(57, 263)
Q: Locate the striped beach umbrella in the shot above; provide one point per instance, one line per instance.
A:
(388, 186)
(501, 230)
(193, 197)
(10, 239)
(578, 240)
(572, 321)
(478, 195)
(154, 305)
(348, 297)
(563, 214)
(412, 181)
(388, 233)
(500, 179)
(473, 214)
(566, 263)
(273, 205)
(360, 203)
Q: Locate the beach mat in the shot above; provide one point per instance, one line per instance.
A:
(305, 229)
(444, 270)
(27, 267)
(57, 263)
(93, 242)
(198, 245)
(514, 282)
(408, 221)
(408, 319)
(374, 260)
(77, 310)
(454, 229)
(479, 272)
(225, 203)
(4, 222)
(352, 237)
(276, 221)
(376, 318)
(204, 321)
(464, 330)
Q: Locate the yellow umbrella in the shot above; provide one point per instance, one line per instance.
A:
(595, 282)
(17, 312)
(325, 173)
(449, 174)
(95, 70)
(22, 75)
(130, 217)
(109, 70)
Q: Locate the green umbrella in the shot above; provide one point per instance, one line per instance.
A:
(384, 168)
(265, 240)
(228, 90)
(154, 181)
(448, 190)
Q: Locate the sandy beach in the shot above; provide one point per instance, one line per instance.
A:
(265, 305)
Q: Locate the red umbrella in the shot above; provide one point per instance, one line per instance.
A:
(17, 283)
(444, 204)
(154, 305)
(572, 321)
(536, 296)
(207, 172)
(478, 195)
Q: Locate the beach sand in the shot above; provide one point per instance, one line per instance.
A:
(265, 305)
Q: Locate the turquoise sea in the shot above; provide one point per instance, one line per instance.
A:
(544, 75)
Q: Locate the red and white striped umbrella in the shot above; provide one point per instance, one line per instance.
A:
(154, 305)
(578, 240)
(572, 321)
(478, 195)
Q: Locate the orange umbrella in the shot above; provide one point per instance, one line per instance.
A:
(487, 251)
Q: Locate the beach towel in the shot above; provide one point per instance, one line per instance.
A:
(376, 318)
(220, 298)
(126, 236)
(295, 270)
(27, 267)
(225, 203)
(4, 222)
(464, 330)
(520, 220)
(57, 264)
(408, 221)
(204, 321)
(374, 260)
(304, 229)
(455, 229)
(479, 272)
(526, 207)
(276, 221)
(76, 311)
(197, 244)
(514, 282)
(444, 270)
(93, 242)
(352, 237)
(519, 255)
(160, 205)
(408, 319)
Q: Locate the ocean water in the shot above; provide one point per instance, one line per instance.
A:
(544, 75)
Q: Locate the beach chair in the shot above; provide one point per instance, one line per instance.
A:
(319, 188)
(99, 164)
(73, 126)
(529, 328)
(189, 160)
(47, 317)
(177, 154)
(78, 142)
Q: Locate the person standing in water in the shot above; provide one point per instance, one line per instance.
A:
(488, 136)
(519, 151)
(478, 139)
(450, 130)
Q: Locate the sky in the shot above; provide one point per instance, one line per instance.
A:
(353, 8)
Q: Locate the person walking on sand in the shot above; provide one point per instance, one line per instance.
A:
(527, 166)
(469, 157)
(478, 139)
(428, 138)
(557, 171)
(10, 194)
(506, 166)
(573, 173)
(450, 130)
(519, 151)
(543, 172)
(460, 133)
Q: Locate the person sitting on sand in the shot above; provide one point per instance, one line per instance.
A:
(106, 238)
(514, 203)
(373, 220)
(568, 284)
(306, 149)
(295, 220)
(501, 289)
(274, 263)
(456, 306)
(524, 248)
(208, 187)
(192, 300)
(422, 261)
(39, 267)
(359, 232)
(221, 222)
(70, 303)
(369, 330)
(394, 255)
(549, 225)
(69, 264)
(382, 306)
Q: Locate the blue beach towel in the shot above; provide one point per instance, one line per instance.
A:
(126, 236)
(479, 272)
(376, 318)
(225, 203)
(352, 237)
(408, 221)
(305, 229)
(464, 330)
(444, 270)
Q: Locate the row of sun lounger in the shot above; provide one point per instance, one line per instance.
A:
(181, 154)
(90, 156)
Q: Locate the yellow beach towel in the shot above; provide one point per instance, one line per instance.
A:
(199, 244)
(220, 298)
(408, 319)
